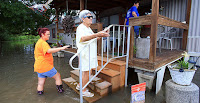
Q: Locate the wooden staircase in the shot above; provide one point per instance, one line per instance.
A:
(109, 80)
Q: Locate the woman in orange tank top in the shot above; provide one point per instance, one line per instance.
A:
(44, 61)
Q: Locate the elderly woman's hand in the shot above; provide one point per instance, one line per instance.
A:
(103, 34)
(107, 29)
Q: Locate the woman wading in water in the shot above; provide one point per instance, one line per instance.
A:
(44, 61)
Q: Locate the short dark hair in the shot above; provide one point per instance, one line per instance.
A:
(136, 1)
(42, 30)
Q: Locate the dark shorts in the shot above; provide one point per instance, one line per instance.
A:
(49, 74)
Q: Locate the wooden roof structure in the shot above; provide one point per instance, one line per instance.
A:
(93, 5)
(96, 5)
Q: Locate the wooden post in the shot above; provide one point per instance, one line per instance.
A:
(131, 43)
(99, 42)
(67, 6)
(185, 32)
(81, 5)
(154, 28)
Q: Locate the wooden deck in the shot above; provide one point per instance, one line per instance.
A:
(166, 56)
(163, 58)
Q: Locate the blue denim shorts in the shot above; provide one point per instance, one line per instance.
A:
(49, 74)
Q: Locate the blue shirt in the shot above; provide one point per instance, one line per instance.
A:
(129, 13)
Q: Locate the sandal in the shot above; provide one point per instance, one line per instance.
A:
(88, 94)
(78, 88)
(60, 88)
(40, 92)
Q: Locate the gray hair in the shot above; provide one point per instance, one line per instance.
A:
(84, 13)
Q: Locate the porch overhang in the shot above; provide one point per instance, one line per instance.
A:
(97, 5)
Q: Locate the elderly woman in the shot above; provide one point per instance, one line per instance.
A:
(44, 61)
(84, 35)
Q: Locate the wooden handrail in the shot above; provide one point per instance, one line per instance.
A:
(162, 20)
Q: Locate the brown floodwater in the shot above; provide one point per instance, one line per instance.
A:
(18, 82)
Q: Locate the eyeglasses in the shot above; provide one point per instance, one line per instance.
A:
(89, 17)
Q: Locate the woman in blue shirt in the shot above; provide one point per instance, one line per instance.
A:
(133, 12)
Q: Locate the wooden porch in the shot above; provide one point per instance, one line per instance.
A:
(163, 58)
(157, 61)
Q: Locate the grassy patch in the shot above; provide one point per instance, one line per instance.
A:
(21, 37)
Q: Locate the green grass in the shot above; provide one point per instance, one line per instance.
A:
(21, 37)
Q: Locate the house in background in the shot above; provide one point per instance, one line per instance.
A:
(172, 14)
(53, 35)
(66, 38)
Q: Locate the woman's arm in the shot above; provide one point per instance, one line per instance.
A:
(99, 34)
(88, 37)
(54, 50)
(134, 14)
(125, 21)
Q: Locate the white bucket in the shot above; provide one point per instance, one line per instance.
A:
(182, 78)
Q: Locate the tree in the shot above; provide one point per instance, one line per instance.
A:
(16, 18)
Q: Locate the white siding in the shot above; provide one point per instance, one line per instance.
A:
(176, 10)
(193, 44)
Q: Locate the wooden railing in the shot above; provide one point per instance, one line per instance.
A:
(162, 20)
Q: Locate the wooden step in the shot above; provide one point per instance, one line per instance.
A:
(114, 61)
(111, 76)
(117, 65)
(100, 86)
(72, 84)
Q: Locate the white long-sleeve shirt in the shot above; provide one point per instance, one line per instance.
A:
(90, 51)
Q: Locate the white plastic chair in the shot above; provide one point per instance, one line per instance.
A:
(167, 36)
(161, 29)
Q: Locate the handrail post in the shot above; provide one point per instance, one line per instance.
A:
(80, 81)
(113, 41)
(124, 27)
(118, 36)
(102, 54)
(89, 62)
(127, 56)
(107, 47)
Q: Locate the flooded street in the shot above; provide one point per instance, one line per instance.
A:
(18, 82)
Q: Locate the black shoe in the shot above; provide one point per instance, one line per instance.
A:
(40, 92)
(60, 88)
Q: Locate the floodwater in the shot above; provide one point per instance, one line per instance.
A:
(18, 82)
